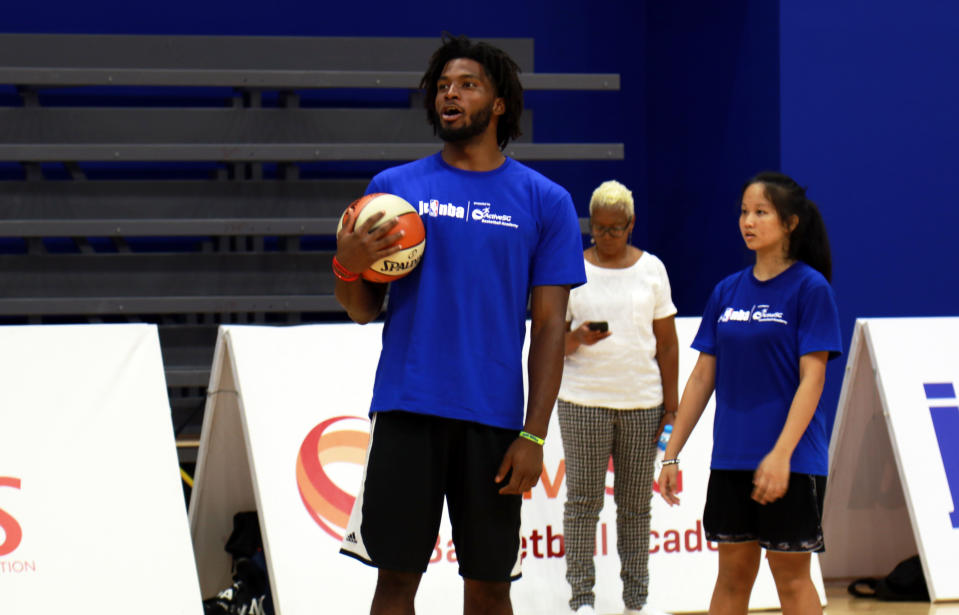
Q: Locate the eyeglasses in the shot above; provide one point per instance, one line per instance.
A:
(612, 231)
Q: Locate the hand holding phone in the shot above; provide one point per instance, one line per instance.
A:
(598, 325)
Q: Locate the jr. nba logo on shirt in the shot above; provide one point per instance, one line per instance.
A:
(435, 209)
(757, 313)
(732, 314)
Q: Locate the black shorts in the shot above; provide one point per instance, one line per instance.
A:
(413, 462)
(791, 523)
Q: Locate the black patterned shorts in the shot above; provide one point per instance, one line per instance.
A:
(791, 523)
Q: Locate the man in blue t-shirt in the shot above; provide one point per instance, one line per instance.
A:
(448, 416)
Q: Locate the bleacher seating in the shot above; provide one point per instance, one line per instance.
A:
(196, 180)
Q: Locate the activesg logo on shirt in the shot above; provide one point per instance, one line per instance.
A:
(758, 313)
(481, 213)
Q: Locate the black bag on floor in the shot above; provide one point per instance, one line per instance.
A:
(906, 582)
(250, 592)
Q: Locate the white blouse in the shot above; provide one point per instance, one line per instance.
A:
(619, 371)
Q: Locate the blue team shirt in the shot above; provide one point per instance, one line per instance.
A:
(757, 330)
(454, 328)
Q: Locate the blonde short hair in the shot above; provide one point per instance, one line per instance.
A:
(612, 195)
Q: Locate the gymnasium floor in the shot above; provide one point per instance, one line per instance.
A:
(841, 603)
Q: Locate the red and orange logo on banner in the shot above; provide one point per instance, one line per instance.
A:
(327, 503)
(12, 532)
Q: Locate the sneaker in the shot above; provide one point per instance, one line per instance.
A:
(646, 610)
(586, 609)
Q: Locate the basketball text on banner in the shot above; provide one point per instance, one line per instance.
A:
(285, 433)
(894, 465)
(92, 516)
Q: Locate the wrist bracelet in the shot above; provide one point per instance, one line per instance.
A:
(346, 278)
(532, 438)
(343, 273)
(670, 462)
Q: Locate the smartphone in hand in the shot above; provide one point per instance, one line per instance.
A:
(598, 325)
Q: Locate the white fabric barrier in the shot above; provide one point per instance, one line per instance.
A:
(92, 517)
(285, 433)
(894, 461)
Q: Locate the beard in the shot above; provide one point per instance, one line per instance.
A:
(477, 125)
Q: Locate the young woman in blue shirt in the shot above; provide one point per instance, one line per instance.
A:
(766, 335)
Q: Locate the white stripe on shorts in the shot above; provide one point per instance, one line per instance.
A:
(353, 538)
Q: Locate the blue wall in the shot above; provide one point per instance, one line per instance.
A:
(856, 100)
(713, 122)
(869, 122)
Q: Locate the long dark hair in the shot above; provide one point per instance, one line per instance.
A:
(809, 241)
(502, 71)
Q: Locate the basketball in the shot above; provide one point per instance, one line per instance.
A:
(412, 244)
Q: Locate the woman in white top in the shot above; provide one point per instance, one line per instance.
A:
(619, 390)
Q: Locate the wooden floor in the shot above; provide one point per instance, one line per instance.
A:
(841, 603)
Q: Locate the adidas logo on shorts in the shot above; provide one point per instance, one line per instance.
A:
(351, 538)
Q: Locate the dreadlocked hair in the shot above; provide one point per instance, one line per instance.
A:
(501, 70)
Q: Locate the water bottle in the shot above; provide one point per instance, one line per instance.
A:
(664, 439)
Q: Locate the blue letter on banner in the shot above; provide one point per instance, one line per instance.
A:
(945, 420)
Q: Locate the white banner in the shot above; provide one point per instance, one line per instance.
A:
(286, 431)
(92, 517)
(894, 461)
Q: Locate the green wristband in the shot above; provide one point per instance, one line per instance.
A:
(532, 438)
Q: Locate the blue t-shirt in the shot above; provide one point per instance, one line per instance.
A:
(757, 330)
(454, 329)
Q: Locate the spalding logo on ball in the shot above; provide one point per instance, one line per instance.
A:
(412, 244)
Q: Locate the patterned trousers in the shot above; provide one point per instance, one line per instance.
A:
(590, 436)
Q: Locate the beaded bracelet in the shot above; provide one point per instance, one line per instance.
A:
(532, 438)
(670, 462)
(343, 273)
